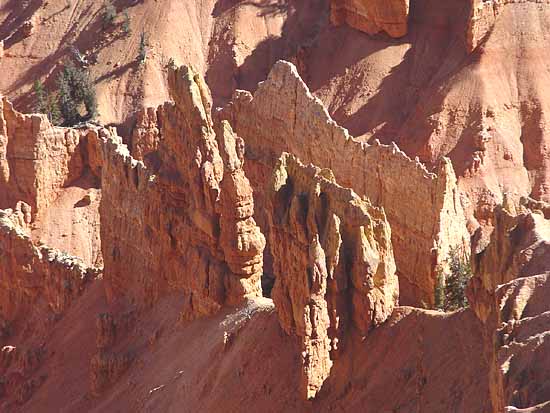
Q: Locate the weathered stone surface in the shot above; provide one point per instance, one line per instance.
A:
(509, 294)
(333, 263)
(146, 134)
(524, 355)
(423, 209)
(106, 368)
(36, 158)
(483, 16)
(240, 238)
(32, 275)
(519, 247)
(183, 220)
(372, 16)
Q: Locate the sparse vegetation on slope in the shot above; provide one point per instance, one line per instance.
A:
(76, 90)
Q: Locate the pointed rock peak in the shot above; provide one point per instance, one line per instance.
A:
(190, 92)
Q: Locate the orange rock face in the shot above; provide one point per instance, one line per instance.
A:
(36, 159)
(333, 263)
(372, 16)
(525, 343)
(283, 116)
(354, 229)
(190, 210)
(33, 277)
(483, 16)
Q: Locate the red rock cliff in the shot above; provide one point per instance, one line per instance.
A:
(424, 210)
(333, 263)
(184, 223)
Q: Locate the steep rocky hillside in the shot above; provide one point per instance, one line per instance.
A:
(299, 206)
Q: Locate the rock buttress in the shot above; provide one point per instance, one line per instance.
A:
(333, 263)
(182, 221)
(32, 277)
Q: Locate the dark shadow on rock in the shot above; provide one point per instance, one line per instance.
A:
(20, 12)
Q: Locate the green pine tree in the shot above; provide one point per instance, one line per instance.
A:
(450, 289)
(76, 89)
(40, 97)
(52, 105)
(142, 53)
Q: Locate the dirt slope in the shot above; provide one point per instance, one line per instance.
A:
(233, 43)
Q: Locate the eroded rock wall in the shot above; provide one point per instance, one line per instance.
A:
(333, 262)
(524, 355)
(519, 247)
(36, 158)
(34, 278)
(483, 16)
(372, 16)
(183, 222)
(423, 208)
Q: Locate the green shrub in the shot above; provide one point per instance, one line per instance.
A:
(126, 23)
(46, 103)
(76, 89)
(142, 53)
(40, 97)
(450, 290)
(52, 109)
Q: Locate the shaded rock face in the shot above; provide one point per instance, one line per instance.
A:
(183, 222)
(524, 355)
(519, 247)
(333, 263)
(372, 16)
(509, 293)
(417, 361)
(283, 116)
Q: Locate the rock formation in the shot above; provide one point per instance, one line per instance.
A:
(189, 210)
(35, 278)
(38, 284)
(172, 315)
(372, 16)
(36, 159)
(283, 116)
(483, 16)
(519, 247)
(333, 263)
(525, 342)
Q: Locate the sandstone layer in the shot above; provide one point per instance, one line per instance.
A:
(424, 211)
(38, 285)
(333, 263)
(372, 16)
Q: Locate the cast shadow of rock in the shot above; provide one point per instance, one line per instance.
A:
(303, 22)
